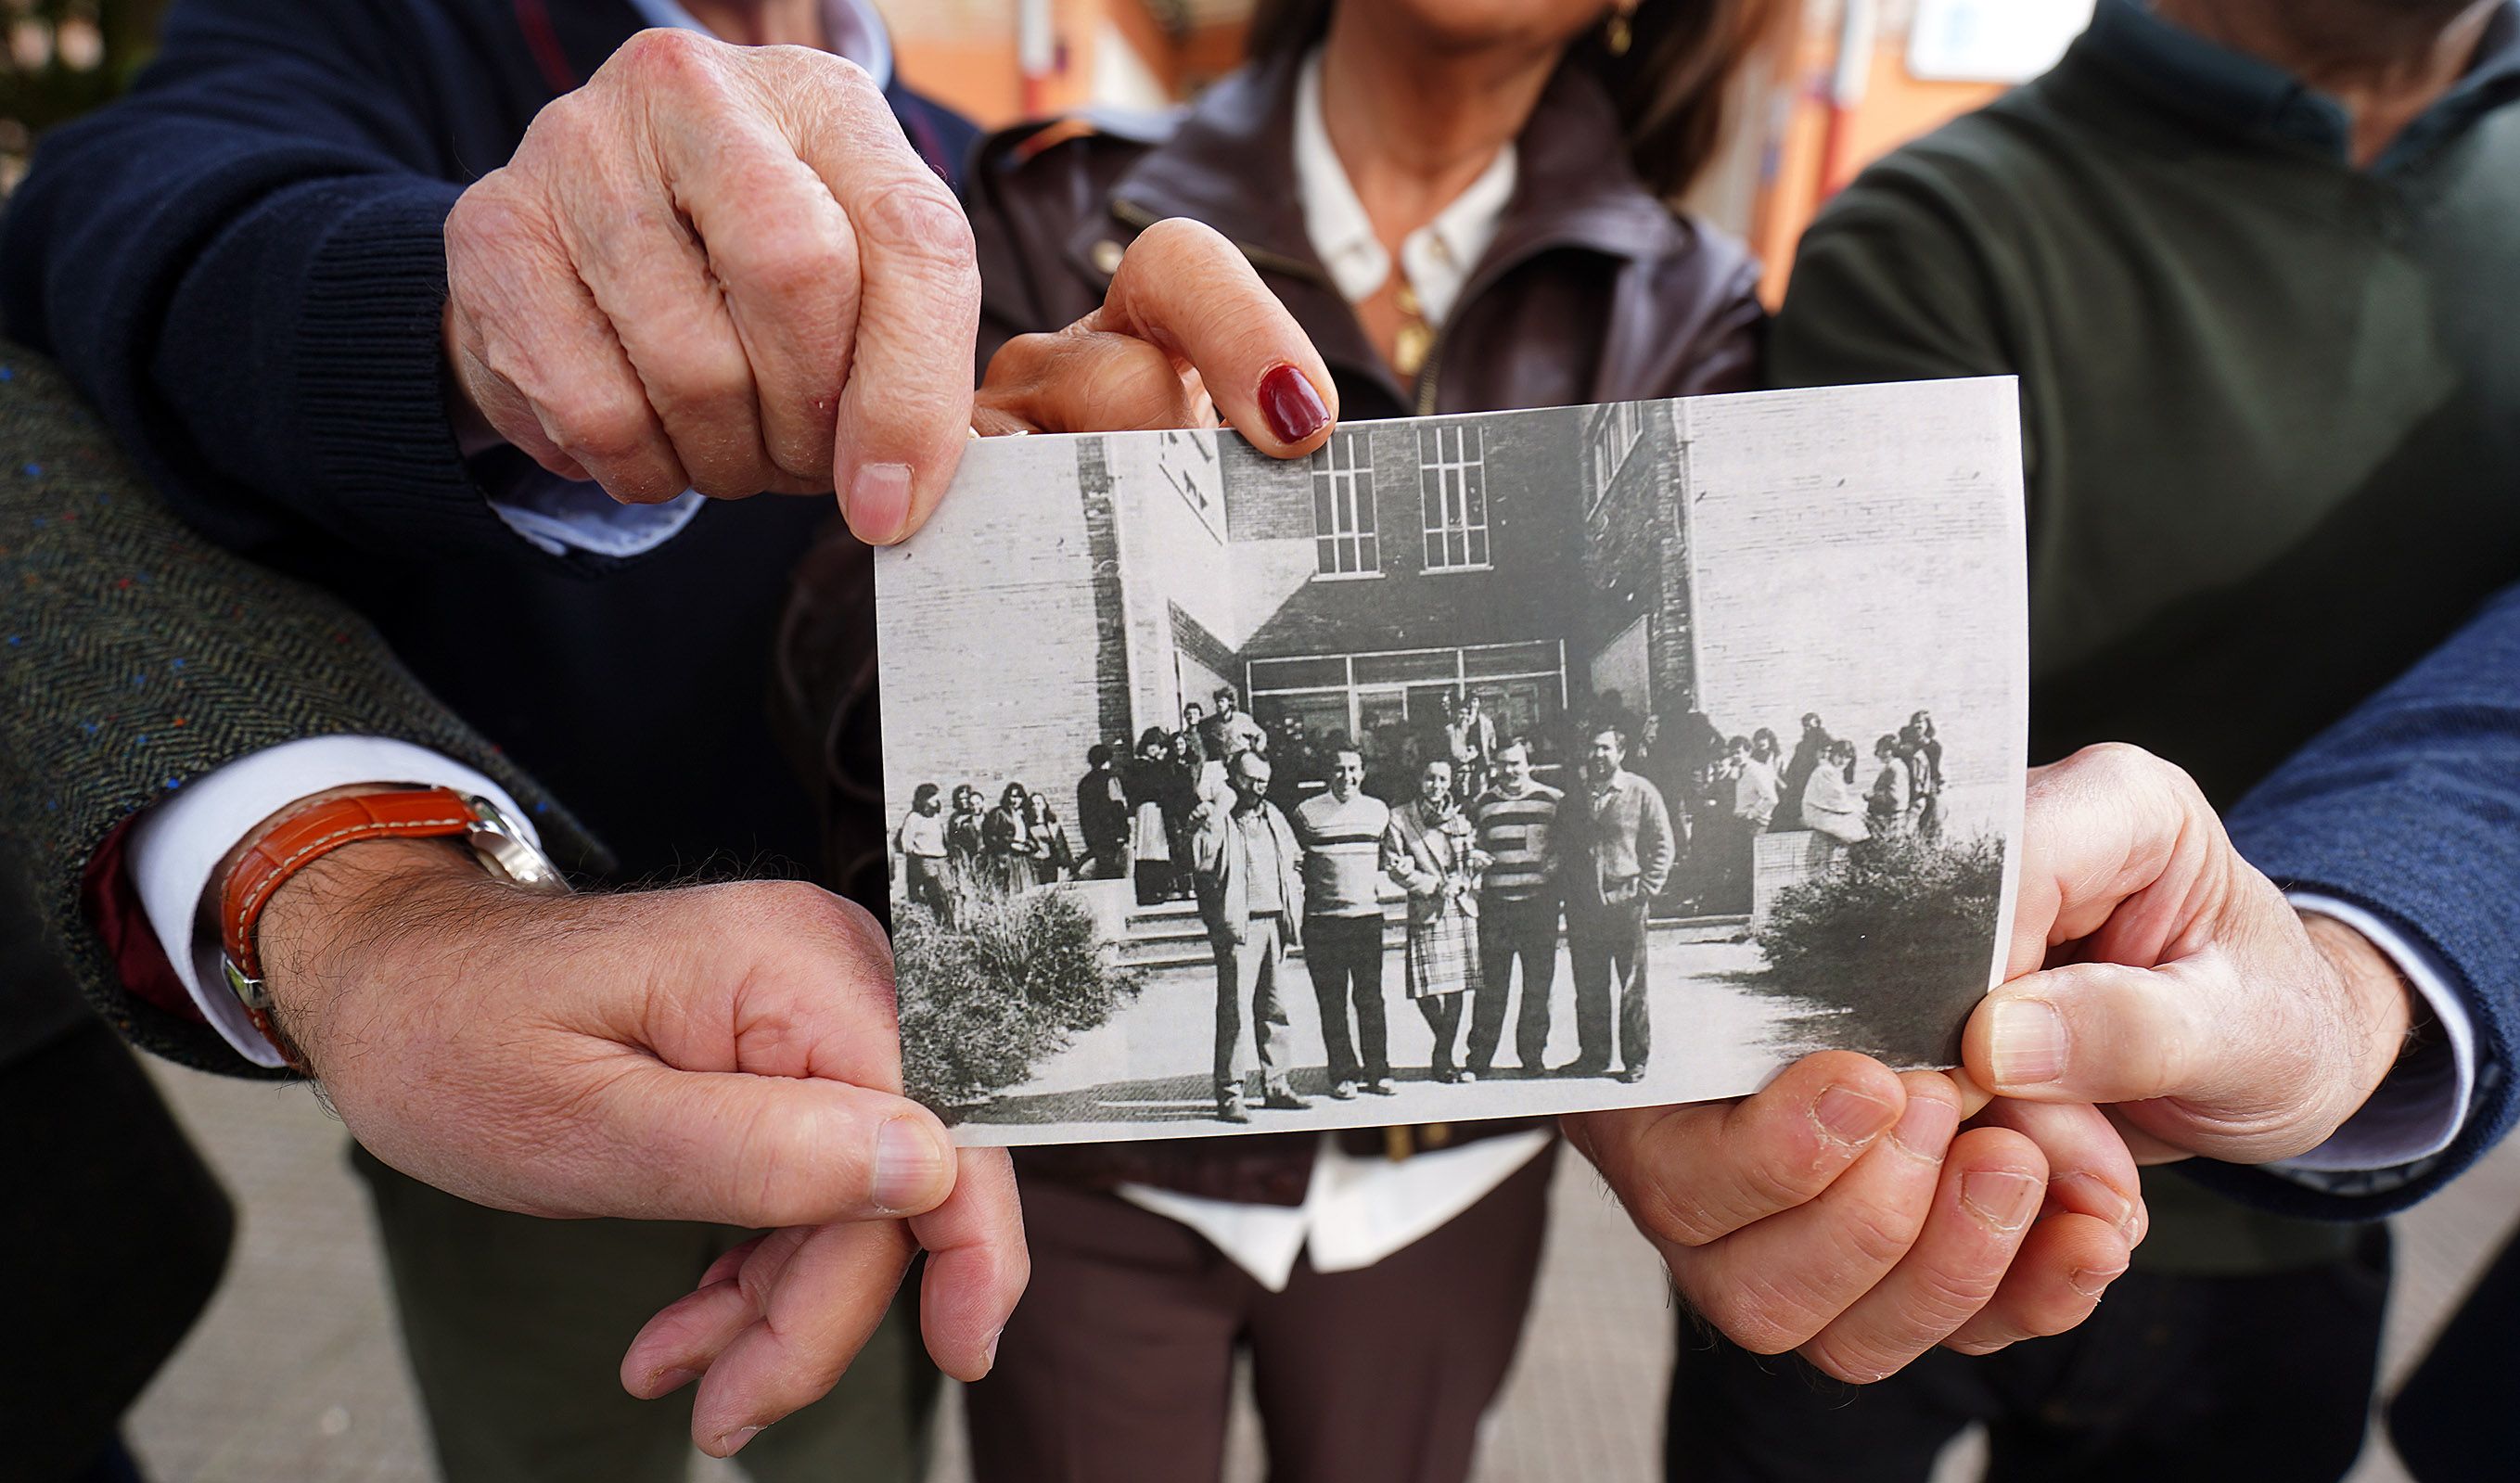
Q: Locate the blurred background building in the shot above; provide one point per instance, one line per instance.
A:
(1849, 80)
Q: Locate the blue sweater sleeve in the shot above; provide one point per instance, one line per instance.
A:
(242, 263)
(2410, 808)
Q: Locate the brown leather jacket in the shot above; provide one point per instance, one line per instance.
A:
(1593, 291)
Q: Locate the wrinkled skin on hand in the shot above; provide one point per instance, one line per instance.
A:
(723, 1053)
(2162, 1000)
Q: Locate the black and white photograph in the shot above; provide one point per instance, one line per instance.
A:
(1476, 766)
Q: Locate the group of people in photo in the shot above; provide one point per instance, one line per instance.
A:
(1486, 881)
(1284, 842)
(1286, 839)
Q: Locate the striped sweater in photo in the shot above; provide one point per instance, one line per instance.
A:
(1514, 830)
(1343, 854)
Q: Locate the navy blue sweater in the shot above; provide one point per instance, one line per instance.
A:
(242, 264)
(2410, 808)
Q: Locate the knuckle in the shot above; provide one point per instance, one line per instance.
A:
(921, 218)
(846, 77)
(491, 214)
(793, 264)
(567, 127)
(1877, 1235)
(602, 429)
(665, 56)
(1940, 1299)
(1177, 239)
(1768, 1185)
(1752, 1315)
(1852, 1363)
(1671, 1215)
(823, 922)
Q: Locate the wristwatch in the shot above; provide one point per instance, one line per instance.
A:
(289, 842)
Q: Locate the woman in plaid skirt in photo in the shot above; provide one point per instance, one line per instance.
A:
(1428, 848)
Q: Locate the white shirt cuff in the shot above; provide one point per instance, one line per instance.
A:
(559, 516)
(176, 845)
(2419, 1109)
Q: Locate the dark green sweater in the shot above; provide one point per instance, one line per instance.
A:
(2271, 401)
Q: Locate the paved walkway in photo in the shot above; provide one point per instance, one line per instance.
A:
(1714, 1034)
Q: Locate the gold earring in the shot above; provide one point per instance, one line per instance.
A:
(1619, 37)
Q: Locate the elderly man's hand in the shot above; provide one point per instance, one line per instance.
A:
(1845, 1212)
(725, 1054)
(722, 268)
(2155, 970)
(2152, 969)
(1186, 335)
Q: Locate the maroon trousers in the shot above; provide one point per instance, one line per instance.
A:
(1119, 1362)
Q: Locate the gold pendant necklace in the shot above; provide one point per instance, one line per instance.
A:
(1409, 348)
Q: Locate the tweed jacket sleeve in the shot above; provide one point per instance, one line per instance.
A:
(2410, 809)
(136, 657)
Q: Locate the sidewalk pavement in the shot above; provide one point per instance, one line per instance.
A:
(295, 1373)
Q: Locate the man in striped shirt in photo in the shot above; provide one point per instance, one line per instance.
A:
(1517, 910)
(1341, 834)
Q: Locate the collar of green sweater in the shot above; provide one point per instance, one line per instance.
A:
(2250, 96)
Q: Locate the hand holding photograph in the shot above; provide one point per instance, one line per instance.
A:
(1477, 766)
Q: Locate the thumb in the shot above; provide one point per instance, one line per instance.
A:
(738, 1149)
(2198, 1060)
(2090, 1032)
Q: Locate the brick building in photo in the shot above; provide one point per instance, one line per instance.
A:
(1676, 556)
(1356, 591)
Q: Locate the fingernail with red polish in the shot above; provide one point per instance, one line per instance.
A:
(878, 503)
(1294, 410)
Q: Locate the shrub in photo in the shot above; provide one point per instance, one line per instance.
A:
(1897, 937)
(983, 999)
(963, 1036)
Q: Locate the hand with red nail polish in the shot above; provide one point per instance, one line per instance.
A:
(2154, 970)
(1188, 335)
(1860, 1218)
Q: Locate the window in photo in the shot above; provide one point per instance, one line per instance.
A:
(1344, 535)
(1452, 483)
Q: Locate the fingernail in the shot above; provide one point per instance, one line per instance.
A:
(1850, 1116)
(2001, 1197)
(2091, 1283)
(878, 503)
(666, 1381)
(2107, 1203)
(907, 1165)
(1291, 407)
(2029, 1042)
(732, 1442)
(989, 1359)
(1926, 1129)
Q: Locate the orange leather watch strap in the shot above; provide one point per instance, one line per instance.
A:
(295, 840)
